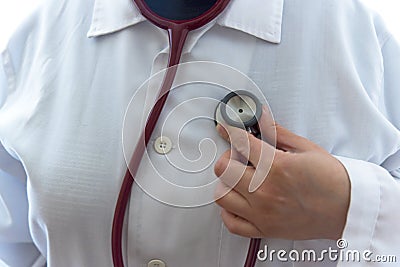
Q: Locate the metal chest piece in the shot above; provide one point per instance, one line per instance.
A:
(240, 109)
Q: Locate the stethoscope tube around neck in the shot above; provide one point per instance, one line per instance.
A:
(177, 40)
(180, 9)
(177, 32)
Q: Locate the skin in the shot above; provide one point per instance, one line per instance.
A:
(305, 193)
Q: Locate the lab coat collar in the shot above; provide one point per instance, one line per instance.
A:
(259, 18)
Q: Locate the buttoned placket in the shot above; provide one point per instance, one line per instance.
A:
(160, 63)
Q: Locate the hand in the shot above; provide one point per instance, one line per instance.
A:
(304, 191)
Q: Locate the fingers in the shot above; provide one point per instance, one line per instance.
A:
(232, 201)
(253, 149)
(267, 126)
(279, 136)
(234, 155)
(234, 174)
(282, 138)
(239, 226)
(288, 141)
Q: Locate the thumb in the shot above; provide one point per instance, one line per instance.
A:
(283, 138)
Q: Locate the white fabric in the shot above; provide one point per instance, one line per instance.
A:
(329, 70)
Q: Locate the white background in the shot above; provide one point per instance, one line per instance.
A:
(12, 12)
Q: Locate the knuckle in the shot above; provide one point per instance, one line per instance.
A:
(265, 162)
(219, 167)
(255, 143)
(276, 165)
(243, 142)
(281, 163)
(232, 226)
(219, 198)
(280, 171)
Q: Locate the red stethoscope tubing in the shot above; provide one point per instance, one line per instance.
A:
(177, 32)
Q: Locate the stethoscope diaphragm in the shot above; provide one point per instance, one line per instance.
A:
(239, 109)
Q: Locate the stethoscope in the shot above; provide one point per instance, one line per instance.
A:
(238, 108)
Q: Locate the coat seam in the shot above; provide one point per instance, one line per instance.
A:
(8, 70)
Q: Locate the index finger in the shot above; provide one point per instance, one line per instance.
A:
(256, 151)
(234, 174)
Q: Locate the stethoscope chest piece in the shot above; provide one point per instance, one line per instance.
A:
(240, 109)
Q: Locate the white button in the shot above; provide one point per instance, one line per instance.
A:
(156, 263)
(163, 145)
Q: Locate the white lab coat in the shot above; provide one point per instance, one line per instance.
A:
(329, 69)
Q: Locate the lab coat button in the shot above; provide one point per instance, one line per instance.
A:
(156, 263)
(163, 145)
